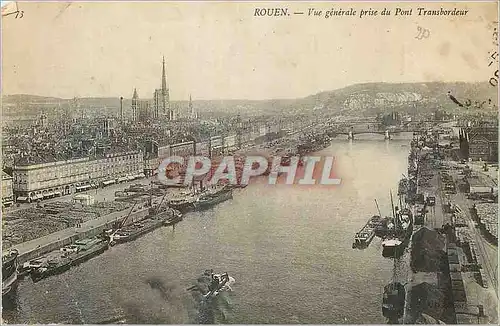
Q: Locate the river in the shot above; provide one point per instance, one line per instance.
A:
(287, 246)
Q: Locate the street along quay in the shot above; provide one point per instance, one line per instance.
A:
(447, 272)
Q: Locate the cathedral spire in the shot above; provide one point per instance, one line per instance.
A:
(191, 108)
(163, 78)
(135, 96)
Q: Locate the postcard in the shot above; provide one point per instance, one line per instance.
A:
(225, 162)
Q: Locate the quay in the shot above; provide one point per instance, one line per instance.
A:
(37, 247)
(449, 269)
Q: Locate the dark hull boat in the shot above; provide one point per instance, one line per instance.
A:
(9, 276)
(393, 301)
(209, 285)
(182, 205)
(209, 200)
(80, 252)
(403, 187)
(53, 267)
(138, 229)
(393, 246)
(175, 218)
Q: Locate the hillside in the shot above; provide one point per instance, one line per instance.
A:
(368, 98)
(372, 98)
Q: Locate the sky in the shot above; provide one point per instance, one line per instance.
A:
(222, 51)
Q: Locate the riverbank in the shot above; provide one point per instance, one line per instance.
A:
(451, 275)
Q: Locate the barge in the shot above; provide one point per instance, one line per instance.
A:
(182, 204)
(363, 238)
(60, 261)
(134, 231)
(210, 199)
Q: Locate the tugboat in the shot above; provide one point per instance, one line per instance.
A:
(210, 199)
(211, 284)
(393, 301)
(9, 274)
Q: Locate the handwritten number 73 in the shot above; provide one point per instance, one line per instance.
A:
(19, 14)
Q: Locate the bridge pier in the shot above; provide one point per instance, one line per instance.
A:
(387, 135)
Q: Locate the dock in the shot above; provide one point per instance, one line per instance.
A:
(37, 247)
(450, 276)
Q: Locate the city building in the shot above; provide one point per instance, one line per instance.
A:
(144, 111)
(46, 180)
(483, 144)
(7, 194)
(108, 127)
(157, 103)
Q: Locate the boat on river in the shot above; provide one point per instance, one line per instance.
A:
(59, 261)
(363, 238)
(394, 244)
(137, 229)
(393, 301)
(211, 198)
(210, 284)
(182, 204)
(9, 274)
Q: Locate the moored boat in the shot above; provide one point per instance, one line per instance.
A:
(210, 199)
(182, 204)
(394, 244)
(57, 262)
(363, 238)
(173, 218)
(137, 229)
(393, 300)
(9, 275)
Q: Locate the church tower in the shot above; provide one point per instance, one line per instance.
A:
(191, 109)
(165, 92)
(135, 105)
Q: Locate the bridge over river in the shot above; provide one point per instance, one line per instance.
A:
(363, 126)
